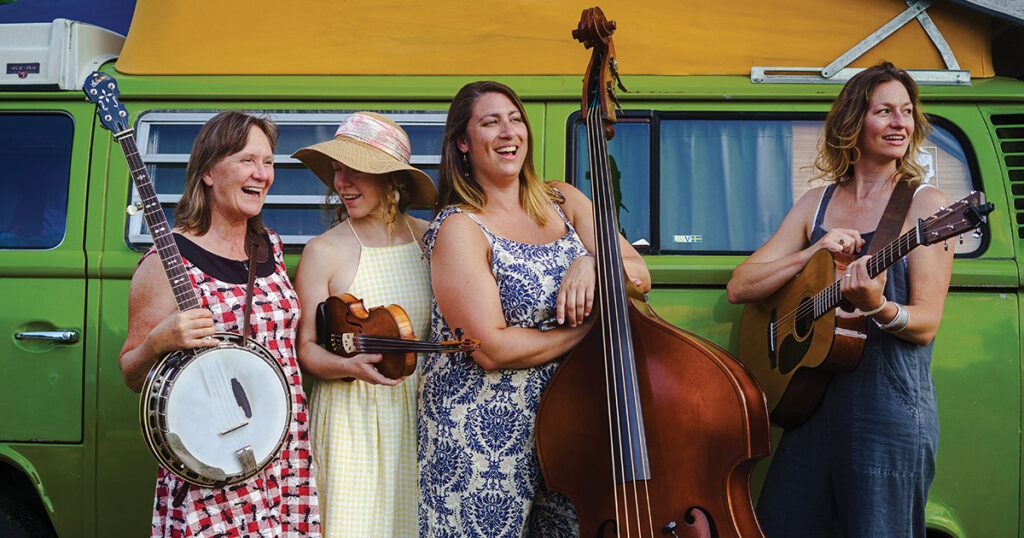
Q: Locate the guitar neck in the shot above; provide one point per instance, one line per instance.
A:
(184, 294)
(830, 297)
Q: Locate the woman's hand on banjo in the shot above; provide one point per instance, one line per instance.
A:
(183, 330)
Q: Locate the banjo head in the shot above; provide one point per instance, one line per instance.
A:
(217, 416)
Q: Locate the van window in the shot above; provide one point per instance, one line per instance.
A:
(293, 208)
(35, 150)
(721, 184)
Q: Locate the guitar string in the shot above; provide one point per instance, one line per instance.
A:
(831, 295)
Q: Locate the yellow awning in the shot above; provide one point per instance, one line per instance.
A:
(531, 37)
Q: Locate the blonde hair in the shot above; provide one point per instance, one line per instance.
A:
(839, 152)
(456, 185)
(389, 185)
(225, 134)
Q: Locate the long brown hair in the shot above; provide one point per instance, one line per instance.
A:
(224, 134)
(456, 185)
(839, 152)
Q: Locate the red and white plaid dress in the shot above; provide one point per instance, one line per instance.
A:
(280, 501)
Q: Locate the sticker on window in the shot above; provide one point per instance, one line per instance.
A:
(688, 238)
(928, 158)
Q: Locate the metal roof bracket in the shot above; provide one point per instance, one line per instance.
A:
(838, 72)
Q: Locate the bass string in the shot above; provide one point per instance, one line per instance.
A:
(615, 325)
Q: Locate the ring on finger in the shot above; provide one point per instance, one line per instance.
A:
(842, 241)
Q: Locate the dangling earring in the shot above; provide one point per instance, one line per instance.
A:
(465, 166)
(397, 196)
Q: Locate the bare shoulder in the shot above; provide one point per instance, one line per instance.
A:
(459, 228)
(419, 226)
(927, 201)
(572, 195)
(336, 241)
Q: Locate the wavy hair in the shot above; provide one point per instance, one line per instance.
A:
(389, 185)
(225, 134)
(839, 152)
(456, 185)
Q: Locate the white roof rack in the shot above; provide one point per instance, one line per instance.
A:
(58, 55)
(838, 72)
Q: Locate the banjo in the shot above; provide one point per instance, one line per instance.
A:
(216, 416)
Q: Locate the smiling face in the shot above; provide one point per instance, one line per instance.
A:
(359, 191)
(239, 182)
(888, 123)
(496, 139)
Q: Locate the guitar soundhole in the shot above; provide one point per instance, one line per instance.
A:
(804, 321)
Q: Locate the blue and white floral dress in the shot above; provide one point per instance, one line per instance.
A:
(477, 460)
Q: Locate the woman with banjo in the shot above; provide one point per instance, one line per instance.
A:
(362, 417)
(225, 251)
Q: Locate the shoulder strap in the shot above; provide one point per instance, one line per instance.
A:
(891, 223)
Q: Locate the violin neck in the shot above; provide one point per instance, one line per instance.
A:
(352, 343)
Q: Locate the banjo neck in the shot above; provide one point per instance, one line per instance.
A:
(184, 294)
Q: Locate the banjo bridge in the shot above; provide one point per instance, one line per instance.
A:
(243, 424)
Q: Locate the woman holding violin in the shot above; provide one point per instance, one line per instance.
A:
(862, 463)
(363, 424)
(511, 264)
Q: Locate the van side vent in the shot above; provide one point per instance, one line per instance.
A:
(1010, 132)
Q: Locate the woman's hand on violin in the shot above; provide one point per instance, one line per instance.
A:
(840, 240)
(576, 294)
(859, 288)
(361, 367)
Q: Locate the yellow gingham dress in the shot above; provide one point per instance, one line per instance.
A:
(364, 435)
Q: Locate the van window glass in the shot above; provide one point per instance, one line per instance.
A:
(629, 150)
(723, 184)
(293, 207)
(35, 150)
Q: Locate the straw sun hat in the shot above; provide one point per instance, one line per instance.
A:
(373, 144)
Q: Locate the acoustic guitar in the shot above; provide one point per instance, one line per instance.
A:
(797, 339)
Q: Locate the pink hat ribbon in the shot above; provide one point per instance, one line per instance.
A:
(376, 133)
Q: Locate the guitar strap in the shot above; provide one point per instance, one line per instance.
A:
(891, 223)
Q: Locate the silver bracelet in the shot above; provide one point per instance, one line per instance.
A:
(903, 324)
(899, 320)
(876, 310)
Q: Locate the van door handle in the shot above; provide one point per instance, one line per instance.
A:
(61, 337)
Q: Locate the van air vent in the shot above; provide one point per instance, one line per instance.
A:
(1010, 131)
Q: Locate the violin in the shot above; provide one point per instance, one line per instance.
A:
(647, 429)
(346, 328)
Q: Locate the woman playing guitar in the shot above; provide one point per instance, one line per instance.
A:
(862, 463)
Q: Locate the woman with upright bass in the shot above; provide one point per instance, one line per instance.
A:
(648, 430)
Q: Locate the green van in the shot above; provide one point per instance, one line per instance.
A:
(714, 145)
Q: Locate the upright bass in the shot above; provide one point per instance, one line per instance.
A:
(647, 429)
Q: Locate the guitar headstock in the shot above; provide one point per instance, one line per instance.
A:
(965, 214)
(595, 31)
(101, 89)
